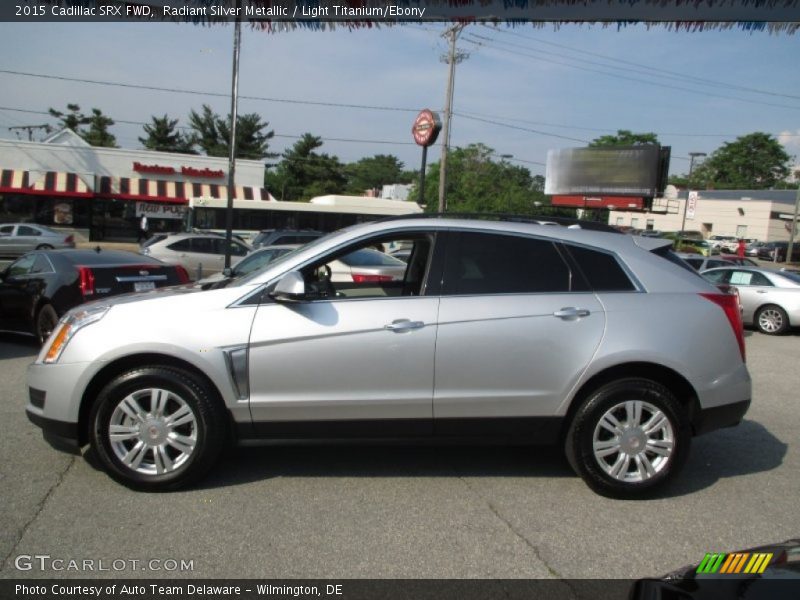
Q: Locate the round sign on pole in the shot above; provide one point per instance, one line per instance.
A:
(426, 128)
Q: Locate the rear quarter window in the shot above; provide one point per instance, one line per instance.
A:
(601, 270)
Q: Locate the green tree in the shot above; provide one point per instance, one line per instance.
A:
(478, 183)
(375, 172)
(751, 162)
(98, 134)
(624, 137)
(72, 119)
(304, 173)
(162, 136)
(212, 134)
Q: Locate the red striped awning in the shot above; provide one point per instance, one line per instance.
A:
(220, 192)
(156, 190)
(55, 183)
(51, 183)
(12, 180)
(151, 190)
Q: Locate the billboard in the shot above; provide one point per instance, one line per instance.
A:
(612, 171)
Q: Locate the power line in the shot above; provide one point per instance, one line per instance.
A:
(203, 93)
(682, 76)
(481, 41)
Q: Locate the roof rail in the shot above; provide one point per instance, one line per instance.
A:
(511, 218)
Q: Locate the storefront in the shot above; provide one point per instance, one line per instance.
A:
(102, 193)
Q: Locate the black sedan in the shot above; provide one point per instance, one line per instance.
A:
(39, 287)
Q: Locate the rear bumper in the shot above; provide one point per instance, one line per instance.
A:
(718, 417)
(60, 435)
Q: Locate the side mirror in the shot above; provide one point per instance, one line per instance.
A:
(291, 288)
(227, 272)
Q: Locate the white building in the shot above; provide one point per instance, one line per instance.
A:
(760, 214)
(100, 193)
(396, 191)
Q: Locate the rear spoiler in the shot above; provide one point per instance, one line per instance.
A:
(652, 243)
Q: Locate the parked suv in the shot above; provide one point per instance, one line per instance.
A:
(273, 237)
(500, 331)
(201, 254)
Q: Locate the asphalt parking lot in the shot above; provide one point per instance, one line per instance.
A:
(403, 512)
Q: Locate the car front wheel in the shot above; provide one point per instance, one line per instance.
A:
(628, 438)
(157, 428)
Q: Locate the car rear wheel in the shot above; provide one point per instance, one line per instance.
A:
(772, 320)
(46, 321)
(157, 428)
(628, 438)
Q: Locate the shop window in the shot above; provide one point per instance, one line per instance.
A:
(17, 208)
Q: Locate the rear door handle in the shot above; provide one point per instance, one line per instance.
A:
(571, 313)
(401, 325)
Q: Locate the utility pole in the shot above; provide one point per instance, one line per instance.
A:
(452, 58)
(30, 128)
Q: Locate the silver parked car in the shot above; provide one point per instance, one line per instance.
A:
(770, 299)
(201, 254)
(18, 238)
(501, 331)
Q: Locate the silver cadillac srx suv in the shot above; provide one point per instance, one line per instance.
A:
(502, 331)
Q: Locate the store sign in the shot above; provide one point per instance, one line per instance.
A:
(188, 171)
(691, 206)
(426, 128)
(160, 211)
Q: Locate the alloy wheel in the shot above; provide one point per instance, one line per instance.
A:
(633, 441)
(153, 431)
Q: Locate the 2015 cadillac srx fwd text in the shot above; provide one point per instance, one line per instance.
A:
(504, 331)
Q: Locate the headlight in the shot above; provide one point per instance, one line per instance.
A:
(68, 326)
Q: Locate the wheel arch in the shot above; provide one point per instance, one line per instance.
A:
(669, 378)
(126, 363)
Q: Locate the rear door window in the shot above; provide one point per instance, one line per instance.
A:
(487, 263)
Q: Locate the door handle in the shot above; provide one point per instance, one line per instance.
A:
(401, 325)
(570, 313)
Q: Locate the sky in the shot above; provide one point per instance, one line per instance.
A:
(521, 91)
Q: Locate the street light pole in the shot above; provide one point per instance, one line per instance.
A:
(794, 227)
(692, 156)
(237, 43)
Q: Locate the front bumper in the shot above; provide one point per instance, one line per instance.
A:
(60, 435)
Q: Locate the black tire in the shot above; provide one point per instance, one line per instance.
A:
(164, 464)
(44, 247)
(636, 448)
(772, 320)
(46, 321)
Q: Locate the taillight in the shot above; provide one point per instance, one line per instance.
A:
(183, 275)
(86, 277)
(730, 304)
(371, 278)
(70, 239)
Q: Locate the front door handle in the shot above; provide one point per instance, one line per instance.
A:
(571, 313)
(401, 325)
